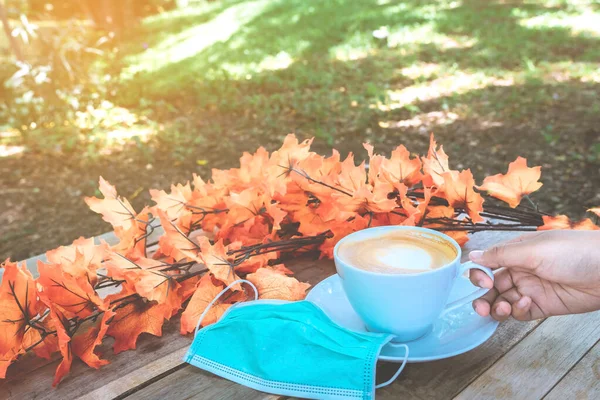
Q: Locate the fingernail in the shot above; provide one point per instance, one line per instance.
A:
(476, 255)
(500, 312)
(484, 284)
(523, 302)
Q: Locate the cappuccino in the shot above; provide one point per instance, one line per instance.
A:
(402, 252)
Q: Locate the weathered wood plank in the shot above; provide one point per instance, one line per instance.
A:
(27, 380)
(445, 378)
(194, 383)
(191, 381)
(157, 359)
(583, 382)
(144, 375)
(108, 237)
(534, 366)
(431, 380)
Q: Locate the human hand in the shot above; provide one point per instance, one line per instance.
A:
(540, 275)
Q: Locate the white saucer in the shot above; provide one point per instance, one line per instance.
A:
(454, 333)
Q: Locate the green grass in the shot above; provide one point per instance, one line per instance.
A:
(258, 69)
(267, 67)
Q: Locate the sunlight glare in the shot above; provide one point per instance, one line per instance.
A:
(423, 122)
(6, 151)
(194, 40)
(445, 86)
(587, 23)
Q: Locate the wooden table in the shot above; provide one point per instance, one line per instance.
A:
(556, 358)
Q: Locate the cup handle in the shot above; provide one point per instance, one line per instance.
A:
(476, 294)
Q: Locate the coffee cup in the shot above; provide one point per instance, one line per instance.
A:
(398, 278)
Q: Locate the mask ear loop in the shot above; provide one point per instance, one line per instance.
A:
(400, 369)
(209, 306)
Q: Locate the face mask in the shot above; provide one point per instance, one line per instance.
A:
(289, 349)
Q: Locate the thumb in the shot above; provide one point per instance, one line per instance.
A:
(508, 255)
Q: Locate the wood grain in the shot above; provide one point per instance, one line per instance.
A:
(532, 368)
(430, 380)
(155, 370)
(27, 380)
(194, 383)
(445, 378)
(583, 382)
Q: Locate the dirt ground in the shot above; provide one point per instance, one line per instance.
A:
(41, 196)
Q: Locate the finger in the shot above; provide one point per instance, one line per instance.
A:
(521, 306)
(521, 310)
(509, 255)
(483, 305)
(501, 310)
(500, 304)
(480, 278)
(502, 283)
(502, 280)
(524, 312)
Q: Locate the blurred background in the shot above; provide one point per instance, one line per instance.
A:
(146, 92)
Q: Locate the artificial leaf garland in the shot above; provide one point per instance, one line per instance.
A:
(242, 224)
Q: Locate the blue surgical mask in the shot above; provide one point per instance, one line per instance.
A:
(290, 349)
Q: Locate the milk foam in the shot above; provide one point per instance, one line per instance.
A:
(408, 256)
(398, 253)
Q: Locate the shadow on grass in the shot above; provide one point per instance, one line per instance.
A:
(308, 30)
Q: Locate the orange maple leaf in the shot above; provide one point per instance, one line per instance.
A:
(148, 281)
(80, 342)
(175, 242)
(173, 204)
(563, 222)
(398, 169)
(459, 192)
(585, 225)
(249, 204)
(133, 317)
(313, 213)
(341, 229)
(435, 165)
(352, 177)
(255, 262)
(252, 231)
(274, 284)
(316, 175)
(74, 296)
(392, 218)
(519, 181)
(61, 322)
(595, 210)
(82, 258)
(132, 241)
(440, 212)
(218, 262)
(114, 209)
(205, 292)
(87, 338)
(461, 237)
(555, 222)
(290, 154)
(358, 195)
(188, 287)
(207, 203)
(49, 345)
(18, 305)
(415, 209)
